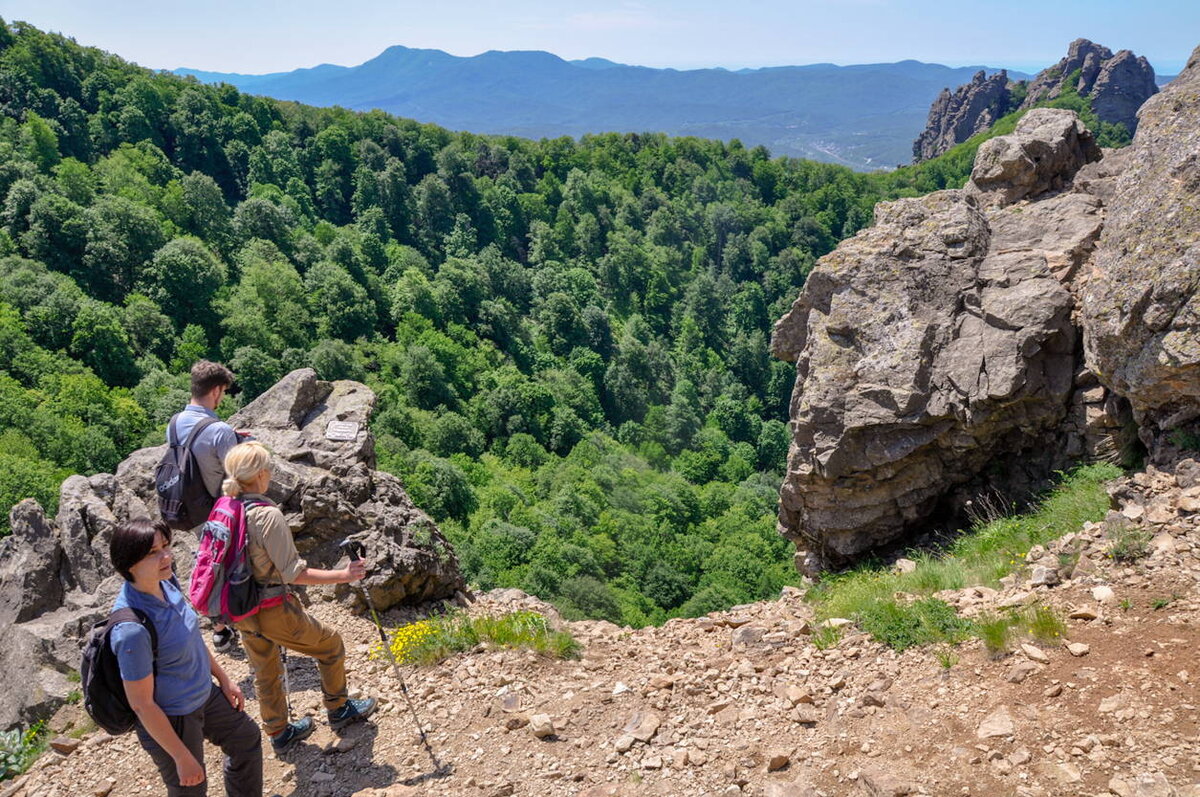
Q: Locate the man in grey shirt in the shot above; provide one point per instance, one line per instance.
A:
(210, 382)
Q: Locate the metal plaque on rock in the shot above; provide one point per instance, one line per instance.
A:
(341, 430)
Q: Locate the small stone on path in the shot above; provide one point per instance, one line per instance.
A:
(541, 726)
(642, 725)
(998, 723)
(64, 744)
(1034, 653)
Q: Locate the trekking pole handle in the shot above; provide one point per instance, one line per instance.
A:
(355, 549)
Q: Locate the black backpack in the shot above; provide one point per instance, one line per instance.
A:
(103, 691)
(183, 500)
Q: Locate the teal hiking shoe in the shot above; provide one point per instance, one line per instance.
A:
(352, 711)
(293, 733)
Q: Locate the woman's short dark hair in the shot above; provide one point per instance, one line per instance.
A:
(131, 542)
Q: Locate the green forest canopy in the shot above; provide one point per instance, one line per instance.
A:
(568, 338)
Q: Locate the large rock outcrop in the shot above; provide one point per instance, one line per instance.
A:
(1142, 306)
(55, 579)
(941, 341)
(1116, 85)
(1043, 154)
(954, 117)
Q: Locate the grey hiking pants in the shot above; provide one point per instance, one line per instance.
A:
(226, 727)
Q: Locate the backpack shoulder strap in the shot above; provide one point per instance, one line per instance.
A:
(129, 614)
(173, 431)
(246, 506)
(197, 429)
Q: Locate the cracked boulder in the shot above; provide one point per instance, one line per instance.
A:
(937, 344)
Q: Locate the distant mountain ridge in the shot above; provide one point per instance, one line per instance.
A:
(864, 116)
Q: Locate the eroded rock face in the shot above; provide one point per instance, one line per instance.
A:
(55, 578)
(1115, 85)
(1082, 55)
(937, 342)
(31, 557)
(954, 117)
(1141, 309)
(1122, 87)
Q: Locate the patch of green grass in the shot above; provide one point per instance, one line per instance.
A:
(826, 637)
(982, 556)
(74, 696)
(74, 677)
(438, 638)
(1186, 440)
(996, 549)
(995, 632)
(1044, 624)
(1039, 623)
(1162, 603)
(19, 749)
(1125, 604)
(83, 729)
(1129, 543)
(946, 656)
(922, 622)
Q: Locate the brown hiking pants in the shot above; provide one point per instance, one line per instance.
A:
(289, 626)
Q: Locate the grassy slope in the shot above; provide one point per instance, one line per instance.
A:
(981, 557)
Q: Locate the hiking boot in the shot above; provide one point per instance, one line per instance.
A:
(293, 733)
(224, 639)
(352, 711)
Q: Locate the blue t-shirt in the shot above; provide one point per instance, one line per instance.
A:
(183, 681)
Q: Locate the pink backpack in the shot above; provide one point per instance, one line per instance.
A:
(223, 585)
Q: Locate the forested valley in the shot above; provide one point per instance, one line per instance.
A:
(568, 339)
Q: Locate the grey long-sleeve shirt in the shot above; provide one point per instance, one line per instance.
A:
(210, 447)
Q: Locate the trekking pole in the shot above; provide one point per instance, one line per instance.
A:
(287, 691)
(357, 550)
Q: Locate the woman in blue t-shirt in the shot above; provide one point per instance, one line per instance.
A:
(177, 704)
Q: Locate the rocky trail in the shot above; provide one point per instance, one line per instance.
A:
(744, 702)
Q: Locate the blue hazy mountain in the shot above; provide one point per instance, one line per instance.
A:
(865, 116)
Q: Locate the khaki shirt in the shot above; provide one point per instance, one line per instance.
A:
(272, 551)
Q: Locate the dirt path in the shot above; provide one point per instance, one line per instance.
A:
(742, 703)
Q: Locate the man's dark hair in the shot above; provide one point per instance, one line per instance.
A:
(207, 375)
(132, 540)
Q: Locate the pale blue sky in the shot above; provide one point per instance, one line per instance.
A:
(254, 36)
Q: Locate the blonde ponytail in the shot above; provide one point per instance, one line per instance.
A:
(243, 462)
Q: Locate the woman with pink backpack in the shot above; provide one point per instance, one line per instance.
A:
(275, 563)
